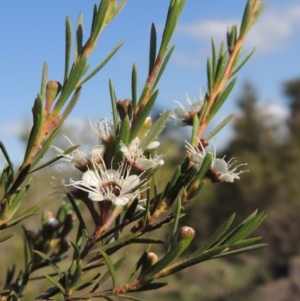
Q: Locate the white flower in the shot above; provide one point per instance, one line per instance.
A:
(102, 184)
(79, 159)
(104, 130)
(184, 116)
(225, 171)
(135, 155)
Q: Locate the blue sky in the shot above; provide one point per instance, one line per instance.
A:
(33, 32)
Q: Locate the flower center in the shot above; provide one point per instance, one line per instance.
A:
(110, 187)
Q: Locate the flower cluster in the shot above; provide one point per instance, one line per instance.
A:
(184, 115)
(221, 171)
(97, 182)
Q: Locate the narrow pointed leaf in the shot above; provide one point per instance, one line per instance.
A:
(155, 130)
(6, 237)
(219, 127)
(142, 116)
(152, 54)
(175, 224)
(243, 62)
(245, 20)
(70, 84)
(7, 158)
(113, 105)
(195, 129)
(214, 239)
(220, 69)
(49, 261)
(102, 64)
(69, 150)
(242, 250)
(163, 66)
(78, 213)
(79, 37)
(121, 241)
(44, 80)
(214, 57)
(222, 98)
(209, 76)
(150, 287)
(134, 87)
(110, 267)
(174, 12)
(56, 283)
(246, 229)
(68, 48)
(99, 19)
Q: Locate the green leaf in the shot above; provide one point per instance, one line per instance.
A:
(79, 37)
(114, 105)
(5, 153)
(214, 57)
(69, 150)
(123, 137)
(222, 63)
(215, 238)
(102, 64)
(23, 216)
(77, 273)
(86, 283)
(243, 62)
(37, 112)
(242, 250)
(155, 130)
(6, 237)
(178, 266)
(68, 46)
(44, 81)
(68, 87)
(121, 241)
(142, 116)
(149, 287)
(78, 213)
(175, 224)
(174, 12)
(56, 284)
(137, 265)
(174, 253)
(195, 129)
(245, 20)
(219, 127)
(152, 53)
(98, 22)
(209, 75)
(76, 255)
(222, 99)
(206, 164)
(245, 229)
(50, 262)
(163, 66)
(110, 267)
(134, 87)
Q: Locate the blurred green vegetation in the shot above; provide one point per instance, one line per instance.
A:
(271, 148)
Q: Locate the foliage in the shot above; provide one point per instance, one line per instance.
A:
(117, 179)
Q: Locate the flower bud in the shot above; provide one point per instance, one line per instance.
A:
(149, 261)
(52, 89)
(124, 108)
(186, 233)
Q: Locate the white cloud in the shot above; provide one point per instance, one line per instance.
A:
(270, 34)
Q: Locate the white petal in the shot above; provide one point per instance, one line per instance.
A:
(153, 144)
(219, 165)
